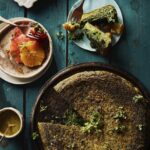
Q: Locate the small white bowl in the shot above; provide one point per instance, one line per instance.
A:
(19, 116)
(39, 69)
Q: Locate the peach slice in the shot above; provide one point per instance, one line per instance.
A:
(32, 54)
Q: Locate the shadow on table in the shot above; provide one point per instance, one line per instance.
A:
(41, 6)
(16, 142)
(3, 101)
(49, 73)
(9, 143)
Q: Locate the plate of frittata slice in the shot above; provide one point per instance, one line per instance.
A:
(99, 28)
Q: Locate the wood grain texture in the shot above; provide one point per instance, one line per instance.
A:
(77, 55)
(10, 95)
(51, 14)
(132, 52)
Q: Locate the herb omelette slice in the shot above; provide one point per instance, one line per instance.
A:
(98, 39)
(63, 137)
(108, 13)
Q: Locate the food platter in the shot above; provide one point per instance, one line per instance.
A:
(69, 72)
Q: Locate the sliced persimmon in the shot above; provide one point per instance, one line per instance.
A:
(17, 38)
(32, 54)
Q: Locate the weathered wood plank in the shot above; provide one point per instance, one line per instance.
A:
(51, 14)
(77, 55)
(10, 95)
(132, 53)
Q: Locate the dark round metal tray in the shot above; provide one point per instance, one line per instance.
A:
(93, 66)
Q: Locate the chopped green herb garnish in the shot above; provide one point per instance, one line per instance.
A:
(95, 124)
(138, 98)
(37, 28)
(60, 35)
(140, 127)
(77, 35)
(35, 135)
(120, 115)
(120, 128)
(77, 25)
(42, 108)
(71, 117)
(71, 146)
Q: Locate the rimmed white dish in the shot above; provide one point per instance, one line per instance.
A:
(90, 5)
(17, 81)
(20, 118)
(35, 72)
(26, 3)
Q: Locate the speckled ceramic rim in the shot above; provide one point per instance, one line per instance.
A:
(20, 117)
(46, 62)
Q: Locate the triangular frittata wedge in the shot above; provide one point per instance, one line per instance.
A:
(62, 137)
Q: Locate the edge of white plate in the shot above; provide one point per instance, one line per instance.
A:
(26, 3)
(17, 81)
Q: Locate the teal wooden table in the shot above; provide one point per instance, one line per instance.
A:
(132, 53)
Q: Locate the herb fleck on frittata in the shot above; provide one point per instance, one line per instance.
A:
(138, 98)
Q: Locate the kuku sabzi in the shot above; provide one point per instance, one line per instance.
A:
(108, 13)
(98, 39)
(104, 18)
(120, 117)
(62, 137)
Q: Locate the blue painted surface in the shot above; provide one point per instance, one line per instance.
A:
(131, 53)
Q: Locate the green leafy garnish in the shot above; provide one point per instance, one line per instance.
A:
(60, 35)
(140, 127)
(71, 117)
(120, 128)
(77, 35)
(71, 146)
(37, 28)
(35, 135)
(120, 115)
(138, 98)
(42, 108)
(95, 124)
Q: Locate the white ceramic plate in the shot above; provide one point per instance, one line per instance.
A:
(28, 73)
(19, 81)
(25, 3)
(90, 5)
